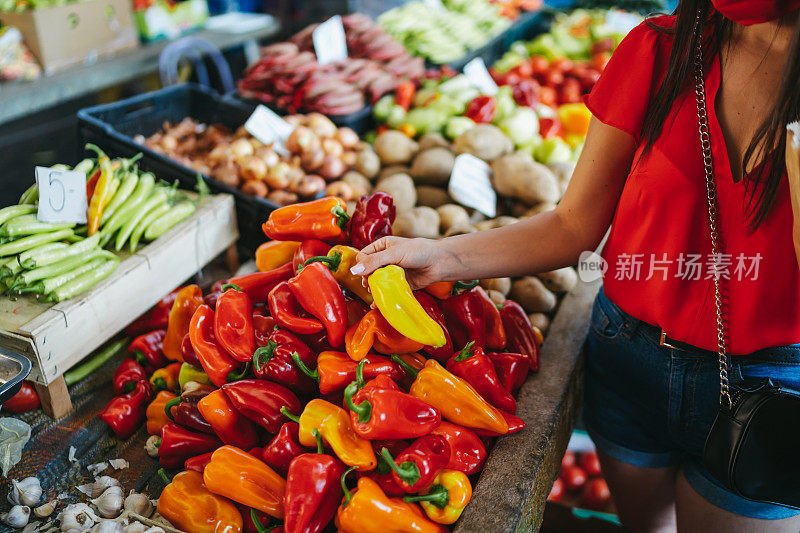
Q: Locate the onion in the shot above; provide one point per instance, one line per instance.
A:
(332, 147)
(332, 168)
(278, 176)
(268, 155)
(255, 187)
(341, 190)
(169, 143)
(301, 139)
(349, 158)
(347, 137)
(254, 168)
(282, 197)
(308, 186)
(219, 152)
(241, 148)
(227, 174)
(321, 125)
(312, 159)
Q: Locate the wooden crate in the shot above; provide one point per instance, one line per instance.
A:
(57, 336)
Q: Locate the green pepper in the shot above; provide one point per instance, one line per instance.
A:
(192, 373)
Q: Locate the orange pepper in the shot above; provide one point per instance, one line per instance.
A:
(166, 378)
(275, 254)
(575, 119)
(441, 289)
(408, 130)
(374, 331)
(189, 506)
(155, 413)
(186, 303)
(237, 475)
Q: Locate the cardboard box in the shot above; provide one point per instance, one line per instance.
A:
(75, 33)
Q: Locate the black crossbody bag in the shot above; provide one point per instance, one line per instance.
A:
(753, 443)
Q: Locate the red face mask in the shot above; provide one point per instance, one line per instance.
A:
(749, 12)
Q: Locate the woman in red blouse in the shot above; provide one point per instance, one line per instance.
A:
(652, 383)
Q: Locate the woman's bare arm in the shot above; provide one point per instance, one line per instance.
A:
(793, 173)
(540, 243)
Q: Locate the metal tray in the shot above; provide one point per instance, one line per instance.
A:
(13, 369)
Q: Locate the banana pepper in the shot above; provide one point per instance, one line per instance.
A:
(275, 254)
(189, 506)
(339, 260)
(155, 413)
(186, 303)
(104, 190)
(446, 498)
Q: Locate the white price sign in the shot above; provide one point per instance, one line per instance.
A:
(622, 22)
(269, 128)
(62, 195)
(436, 5)
(471, 184)
(329, 41)
(479, 76)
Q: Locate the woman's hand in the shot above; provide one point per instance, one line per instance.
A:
(418, 257)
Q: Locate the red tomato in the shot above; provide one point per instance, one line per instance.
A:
(524, 69)
(588, 79)
(547, 96)
(596, 494)
(569, 458)
(569, 95)
(27, 399)
(554, 78)
(557, 492)
(562, 64)
(599, 61)
(574, 477)
(539, 64)
(589, 462)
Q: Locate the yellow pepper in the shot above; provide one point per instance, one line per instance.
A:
(275, 254)
(192, 373)
(339, 260)
(104, 190)
(166, 378)
(189, 506)
(336, 429)
(575, 119)
(445, 499)
(397, 304)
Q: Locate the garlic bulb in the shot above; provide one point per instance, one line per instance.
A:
(93, 490)
(151, 446)
(109, 504)
(155, 529)
(108, 526)
(139, 504)
(77, 516)
(136, 527)
(43, 511)
(17, 517)
(26, 492)
(97, 468)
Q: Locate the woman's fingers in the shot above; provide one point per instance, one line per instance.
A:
(367, 263)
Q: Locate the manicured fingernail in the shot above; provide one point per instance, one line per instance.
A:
(356, 269)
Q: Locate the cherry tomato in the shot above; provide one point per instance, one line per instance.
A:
(557, 492)
(570, 92)
(569, 458)
(554, 78)
(599, 61)
(524, 69)
(574, 477)
(27, 399)
(548, 96)
(562, 64)
(539, 64)
(603, 45)
(596, 494)
(588, 79)
(590, 463)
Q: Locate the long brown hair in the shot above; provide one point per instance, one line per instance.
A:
(769, 142)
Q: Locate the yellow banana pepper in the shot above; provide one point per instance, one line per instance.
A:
(397, 304)
(339, 260)
(104, 190)
(446, 498)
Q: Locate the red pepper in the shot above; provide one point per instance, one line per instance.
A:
(259, 284)
(337, 370)
(283, 448)
(318, 292)
(356, 309)
(372, 219)
(382, 475)
(229, 425)
(25, 400)
(472, 364)
(157, 317)
(148, 349)
(526, 93)
(514, 423)
(316, 341)
(495, 332)
(216, 362)
(286, 310)
(428, 303)
(482, 109)
(512, 368)
(308, 248)
(124, 414)
(415, 468)
(213, 294)
(187, 352)
(127, 375)
(274, 362)
(387, 413)
(465, 318)
(313, 491)
(179, 444)
(467, 452)
(187, 414)
(91, 183)
(261, 401)
(549, 127)
(404, 94)
(233, 323)
(248, 526)
(519, 330)
(198, 463)
(263, 326)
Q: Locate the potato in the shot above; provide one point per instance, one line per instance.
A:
(561, 280)
(517, 175)
(431, 196)
(360, 184)
(501, 285)
(401, 187)
(483, 225)
(417, 222)
(431, 140)
(540, 321)
(497, 297)
(503, 221)
(541, 207)
(433, 166)
(476, 216)
(460, 230)
(368, 163)
(484, 141)
(532, 295)
(392, 170)
(394, 148)
(451, 215)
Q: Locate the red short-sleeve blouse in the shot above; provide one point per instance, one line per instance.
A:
(658, 250)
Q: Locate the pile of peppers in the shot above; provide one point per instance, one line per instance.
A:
(295, 397)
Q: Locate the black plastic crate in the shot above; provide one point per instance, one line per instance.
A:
(113, 126)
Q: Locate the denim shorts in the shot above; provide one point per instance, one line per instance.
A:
(652, 406)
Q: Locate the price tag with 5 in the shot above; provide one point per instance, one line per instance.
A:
(62, 195)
